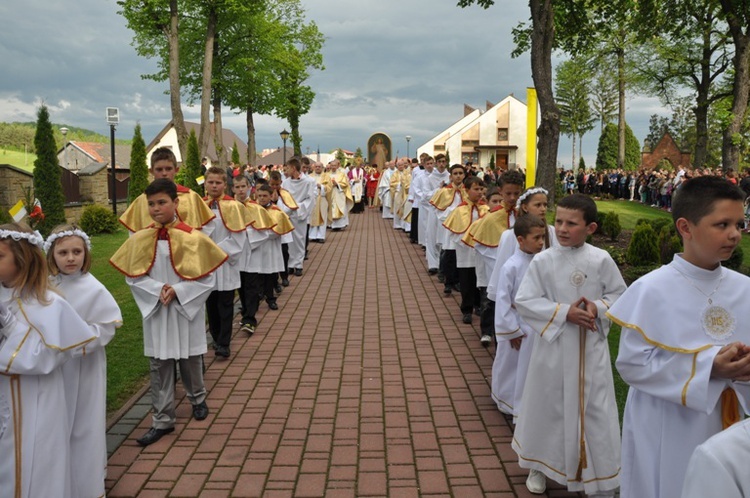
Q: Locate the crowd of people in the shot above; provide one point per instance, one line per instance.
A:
(543, 295)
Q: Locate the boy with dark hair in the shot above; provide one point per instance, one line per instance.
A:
(683, 348)
(515, 339)
(192, 210)
(228, 231)
(485, 237)
(170, 268)
(267, 260)
(445, 200)
(457, 223)
(568, 427)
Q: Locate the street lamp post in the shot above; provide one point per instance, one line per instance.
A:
(284, 136)
(113, 119)
(408, 139)
(64, 132)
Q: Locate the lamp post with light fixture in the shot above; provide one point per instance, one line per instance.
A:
(284, 136)
(408, 139)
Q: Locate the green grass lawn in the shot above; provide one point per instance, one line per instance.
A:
(18, 159)
(631, 212)
(127, 368)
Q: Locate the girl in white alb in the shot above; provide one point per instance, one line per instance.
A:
(69, 258)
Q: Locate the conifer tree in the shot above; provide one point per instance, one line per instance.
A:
(138, 166)
(235, 154)
(47, 175)
(191, 168)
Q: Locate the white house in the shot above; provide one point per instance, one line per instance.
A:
(499, 132)
(167, 137)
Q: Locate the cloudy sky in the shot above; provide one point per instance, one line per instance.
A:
(401, 67)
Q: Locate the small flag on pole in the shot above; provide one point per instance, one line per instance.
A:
(200, 180)
(18, 211)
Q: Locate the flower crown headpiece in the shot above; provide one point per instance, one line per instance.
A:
(529, 193)
(67, 233)
(33, 238)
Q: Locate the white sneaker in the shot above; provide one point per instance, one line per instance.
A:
(536, 483)
(486, 340)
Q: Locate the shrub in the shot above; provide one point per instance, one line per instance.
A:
(632, 273)
(600, 219)
(643, 248)
(669, 244)
(735, 260)
(612, 226)
(658, 223)
(616, 254)
(98, 219)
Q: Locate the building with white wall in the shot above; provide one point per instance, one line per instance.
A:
(499, 132)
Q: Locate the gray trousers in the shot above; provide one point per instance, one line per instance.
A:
(163, 386)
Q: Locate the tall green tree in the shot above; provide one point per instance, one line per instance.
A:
(557, 25)
(572, 90)
(191, 167)
(47, 175)
(604, 96)
(235, 154)
(156, 34)
(687, 46)
(737, 15)
(138, 166)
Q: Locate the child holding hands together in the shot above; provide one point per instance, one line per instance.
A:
(568, 427)
(683, 348)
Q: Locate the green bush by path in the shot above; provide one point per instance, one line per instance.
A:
(127, 368)
(98, 219)
(643, 248)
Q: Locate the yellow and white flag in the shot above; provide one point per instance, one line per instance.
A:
(200, 180)
(18, 211)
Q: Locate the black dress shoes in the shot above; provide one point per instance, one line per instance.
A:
(298, 272)
(273, 306)
(285, 282)
(153, 435)
(200, 411)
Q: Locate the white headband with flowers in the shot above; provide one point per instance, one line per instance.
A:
(33, 238)
(529, 193)
(67, 233)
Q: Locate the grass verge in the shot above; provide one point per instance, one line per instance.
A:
(126, 365)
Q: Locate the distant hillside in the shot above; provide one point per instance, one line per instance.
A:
(20, 136)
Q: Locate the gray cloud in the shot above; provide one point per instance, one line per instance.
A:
(405, 68)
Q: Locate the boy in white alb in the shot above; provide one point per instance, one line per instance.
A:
(718, 467)
(515, 338)
(568, 428)
(683, 347)
(170, 270)
(228, 231)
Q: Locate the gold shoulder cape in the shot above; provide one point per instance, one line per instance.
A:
(287, 199)
(257, 216)
(234, 215)
(193, 254)
(443, 198)
(282, 223)
(489, 231)
(468, 239)
(191, 210)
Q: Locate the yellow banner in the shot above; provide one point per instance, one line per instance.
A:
(531, 126)
(18, 211)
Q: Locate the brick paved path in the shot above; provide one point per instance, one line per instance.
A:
(355, 387)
